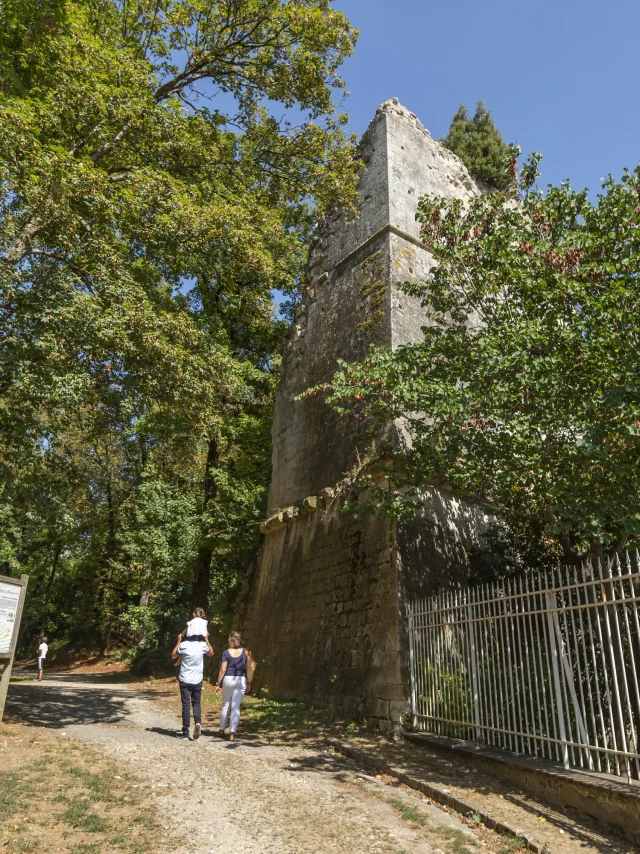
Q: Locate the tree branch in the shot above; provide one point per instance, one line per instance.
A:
(20, 246)
(76, 148)
(63, 259)
(106, 148)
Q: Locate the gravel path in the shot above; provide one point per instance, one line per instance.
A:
(250, 797)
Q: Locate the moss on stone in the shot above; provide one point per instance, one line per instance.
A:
(374, 291)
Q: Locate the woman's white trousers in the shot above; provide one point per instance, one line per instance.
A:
(233, 688)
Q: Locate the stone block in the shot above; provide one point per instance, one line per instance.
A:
(378, 708)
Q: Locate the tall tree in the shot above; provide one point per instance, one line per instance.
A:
(120, 179)
(148, 198)
(529, 371)
(480, 146)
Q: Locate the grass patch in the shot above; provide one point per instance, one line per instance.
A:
(76, 811)
(287, 721)
(13, 795)
(78, 814)
(98, 784)
(450, 838)
(78, 790)
(93, 823)
(409, 813)
(457, 840)
(512, 845)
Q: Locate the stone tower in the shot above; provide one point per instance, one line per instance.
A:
(325, 610)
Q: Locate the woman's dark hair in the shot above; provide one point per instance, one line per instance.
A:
(199, 612)
(235, 640)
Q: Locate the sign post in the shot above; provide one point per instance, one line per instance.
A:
(12, 595)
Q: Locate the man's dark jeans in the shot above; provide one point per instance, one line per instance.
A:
(190, 695)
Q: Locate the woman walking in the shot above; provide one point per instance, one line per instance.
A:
(232, 678)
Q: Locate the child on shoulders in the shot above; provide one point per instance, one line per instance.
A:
(197, 627)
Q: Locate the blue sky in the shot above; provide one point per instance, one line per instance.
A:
(562, 77)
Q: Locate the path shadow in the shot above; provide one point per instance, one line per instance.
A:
(55, 706)
(255, 739)
(109, 678)
(245, 740)
(437, 769)
(338, 767)
(158, 730)
(576, 824)
(234, 745)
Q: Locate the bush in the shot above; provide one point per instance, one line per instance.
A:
(152, 662)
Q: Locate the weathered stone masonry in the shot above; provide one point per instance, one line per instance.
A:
(325, 613)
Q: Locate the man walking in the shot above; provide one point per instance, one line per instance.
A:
(191, 655)
(43, 649)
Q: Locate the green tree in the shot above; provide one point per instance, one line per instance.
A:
(162, 165)
(480, 146)
(120, 180)
(529, 371)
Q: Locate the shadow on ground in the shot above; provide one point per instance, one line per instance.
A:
(56, 705)
(66, 676)
(472, 784)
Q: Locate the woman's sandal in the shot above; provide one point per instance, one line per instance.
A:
(220, 733)
(232, 736)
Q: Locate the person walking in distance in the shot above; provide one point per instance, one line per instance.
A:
(237, 664)
(43, 649)
(191, 655)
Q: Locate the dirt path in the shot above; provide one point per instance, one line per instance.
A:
(259, 797)
(251, 796)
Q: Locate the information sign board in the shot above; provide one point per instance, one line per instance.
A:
(9, 603)
(12, 593)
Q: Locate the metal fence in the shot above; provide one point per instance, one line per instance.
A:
(543, 664)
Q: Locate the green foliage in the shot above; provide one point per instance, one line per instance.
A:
(529, 368)
(149, 204)
(480, 146)
(514, 545)
(409, 812)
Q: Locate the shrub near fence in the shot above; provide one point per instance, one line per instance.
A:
(543, 664)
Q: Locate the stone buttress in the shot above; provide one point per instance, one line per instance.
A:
(325, 609)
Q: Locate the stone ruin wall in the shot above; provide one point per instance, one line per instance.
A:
(325, 612)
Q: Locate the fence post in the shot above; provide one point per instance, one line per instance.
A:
(551, 604)
(616, 658)
(474, 671)
(568, 678)
(412, 667)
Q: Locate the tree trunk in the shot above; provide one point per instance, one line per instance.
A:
(143, 636)
(202, 574)
(105, 617)
(20, 245)
(45, 599)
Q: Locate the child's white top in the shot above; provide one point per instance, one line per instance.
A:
(197, 626)
(43, 649)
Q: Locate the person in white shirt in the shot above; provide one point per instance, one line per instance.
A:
(197, 627)
(43, 649)
(191, 656)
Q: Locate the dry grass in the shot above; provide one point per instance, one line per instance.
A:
(57, 795)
